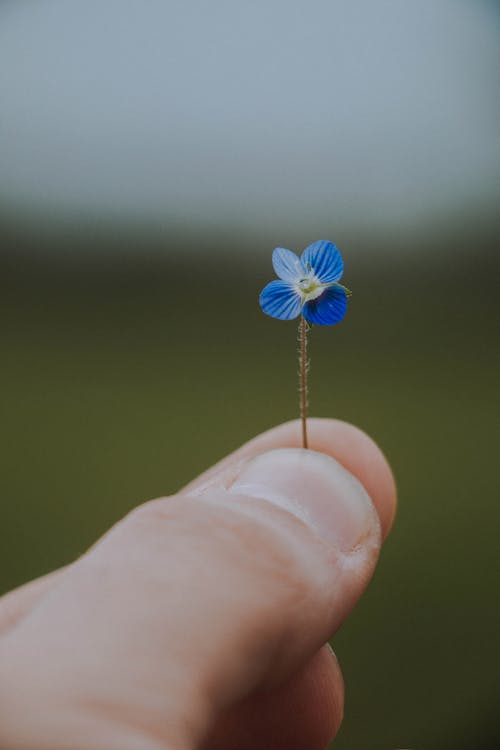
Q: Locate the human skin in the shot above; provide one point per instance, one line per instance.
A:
(199, 621)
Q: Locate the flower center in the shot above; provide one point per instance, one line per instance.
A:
(310, 288)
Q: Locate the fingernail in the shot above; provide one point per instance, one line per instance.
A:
(315, 488)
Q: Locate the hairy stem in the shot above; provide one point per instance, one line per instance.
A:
(303, 368)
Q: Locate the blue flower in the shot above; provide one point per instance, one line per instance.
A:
(307, 285)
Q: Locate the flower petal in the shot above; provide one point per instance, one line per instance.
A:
(328, 309)
(325, 260)
(280, 300)
(287, 265)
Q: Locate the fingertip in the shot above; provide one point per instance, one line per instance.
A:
(346, 443)
(351, 447)
(306, 711)
(363, 457)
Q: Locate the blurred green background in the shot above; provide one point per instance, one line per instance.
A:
(122, 380)
(136, 229)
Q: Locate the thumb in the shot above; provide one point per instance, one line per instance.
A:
(306, 540)
(193, 603)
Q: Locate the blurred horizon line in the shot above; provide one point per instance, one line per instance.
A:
(470, 229)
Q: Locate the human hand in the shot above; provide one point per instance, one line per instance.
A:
(199, 620)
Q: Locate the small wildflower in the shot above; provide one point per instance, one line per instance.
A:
(307, 285)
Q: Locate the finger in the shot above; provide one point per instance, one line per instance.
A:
(262, 566)
(194, 603)
(349, 445)
(334, 507)
(355, 450)
(304, 713)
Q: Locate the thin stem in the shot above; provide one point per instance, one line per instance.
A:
(303, 368)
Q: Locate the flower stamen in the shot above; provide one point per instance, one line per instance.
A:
(310, 288)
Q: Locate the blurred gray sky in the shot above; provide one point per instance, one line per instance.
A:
(250, 114)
